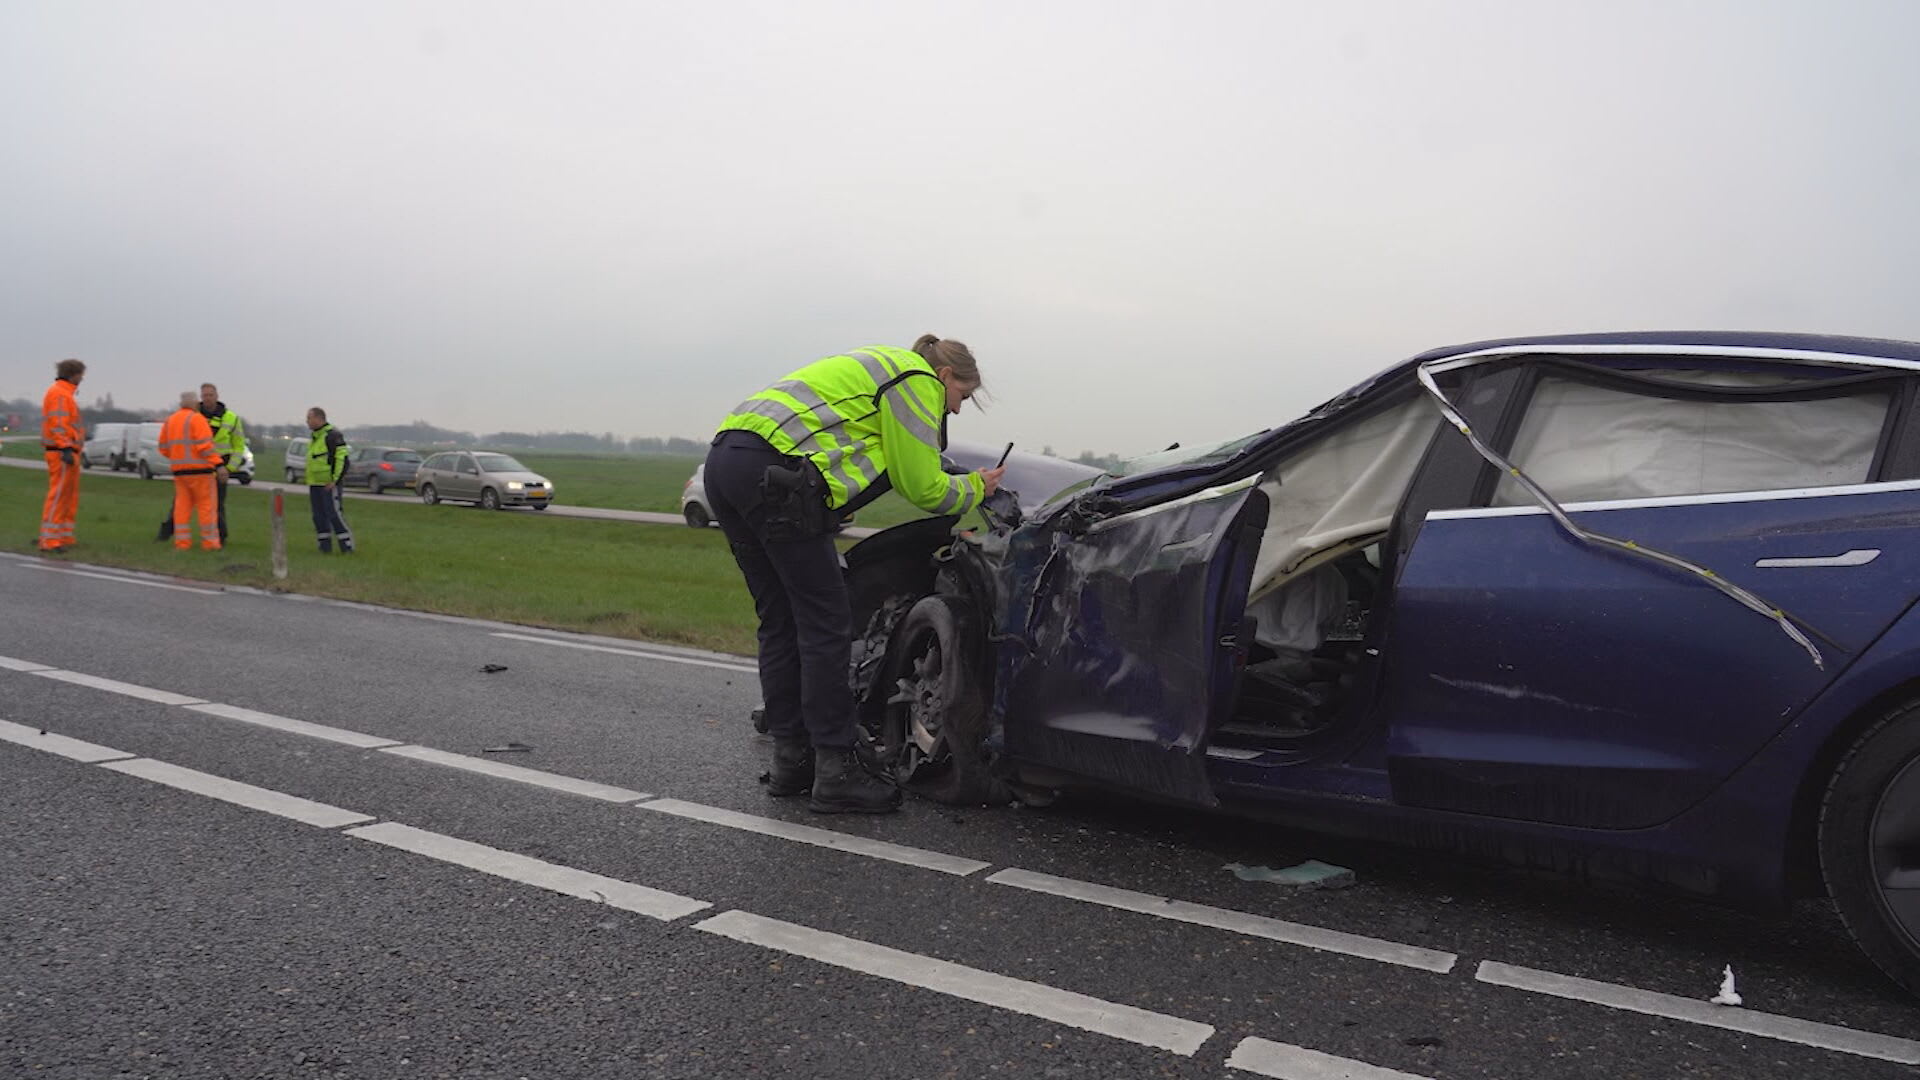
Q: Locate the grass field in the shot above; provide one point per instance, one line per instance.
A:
(607, 577)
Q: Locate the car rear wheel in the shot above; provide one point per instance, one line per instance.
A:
(85, 462)
(144, 471)
(935, 724)
(428, 495)
(373, 485)
(292, 478)
(489, 499)
(1870, 843)
(696, 515)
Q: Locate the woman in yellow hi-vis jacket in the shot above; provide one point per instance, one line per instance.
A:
(785, 466)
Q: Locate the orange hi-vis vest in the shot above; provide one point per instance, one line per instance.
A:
(60, 418)
(186, 440)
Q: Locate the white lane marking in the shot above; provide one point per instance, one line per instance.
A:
(237, 793)
(122, 580)
(1785, 1028)
(12, 664)
(144, 693)
(1000, 991)
(1299, 1063)
(826, 838)
(34, 738)
(748, 668)
(520, 773)
(553, 877)
(294, 727)
(1239, 922)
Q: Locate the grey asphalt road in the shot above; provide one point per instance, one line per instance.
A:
(157, 931)
(557, 509)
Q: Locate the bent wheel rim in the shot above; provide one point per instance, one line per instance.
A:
(913, 738)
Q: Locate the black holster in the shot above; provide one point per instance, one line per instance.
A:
(795, 500)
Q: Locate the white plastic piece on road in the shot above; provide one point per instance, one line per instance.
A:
(11, 664)
(748, 669)
(519, 773)
(553, 877)
(1126, 1022)
(33, 738)
(1728, 995)
(1299, 1063)
(1694, 1011)
(294, 727)
(122, 579)
(826, 838)
(111, 686)
(278, 803)
(1239, 922)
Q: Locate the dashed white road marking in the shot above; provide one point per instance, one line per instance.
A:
(668, 657)
(1239, 922)
(519, 773)
(121, 579)
(35, 739)
(526, 870)
(1108, 1018)
(826, 838)
(253, 798)
(113, 686)
(294, 727)
(1299, 1063)
(12, 664)
(1767, 1025)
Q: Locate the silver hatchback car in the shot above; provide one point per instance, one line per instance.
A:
(488, 480)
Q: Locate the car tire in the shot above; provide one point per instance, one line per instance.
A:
(86, 463)
(541, 506)
(246, 479)
(1869, 837)
(291, 477)
(145, 473)
(428, 495)
(696, 515)
(933, 675)
(373, 486)
(489, 499)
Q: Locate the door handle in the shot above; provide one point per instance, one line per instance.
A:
(1856, 557)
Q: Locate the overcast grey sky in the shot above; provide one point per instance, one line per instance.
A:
(1152, 221)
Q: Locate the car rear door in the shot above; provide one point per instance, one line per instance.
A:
(1135, 629)
(1532, 675)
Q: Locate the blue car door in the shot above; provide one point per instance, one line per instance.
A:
(1134, 635)
(1532, 675)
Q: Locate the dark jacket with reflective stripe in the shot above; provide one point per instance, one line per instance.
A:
(873, 412)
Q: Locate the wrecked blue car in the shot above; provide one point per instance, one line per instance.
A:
(1633, 607)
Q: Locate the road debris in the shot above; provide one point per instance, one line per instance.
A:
(1727, 995)
(507, 748)
(492, 669)
(1312, 874)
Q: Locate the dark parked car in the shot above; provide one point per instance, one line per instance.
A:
(488, 480)
(1636, 606)
(378, 468)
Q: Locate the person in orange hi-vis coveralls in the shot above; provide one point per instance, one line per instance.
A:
(186, 439)
(61, 437)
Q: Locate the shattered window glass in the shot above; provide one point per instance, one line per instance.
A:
(1587, 443)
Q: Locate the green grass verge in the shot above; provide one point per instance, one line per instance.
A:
(639, 581)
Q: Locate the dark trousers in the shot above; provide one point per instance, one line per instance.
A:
(806, 617)
(329, 522)
(220, 493)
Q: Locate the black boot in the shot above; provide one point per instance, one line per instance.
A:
(792, 767)
(841, 786)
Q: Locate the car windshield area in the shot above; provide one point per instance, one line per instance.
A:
(498, 463)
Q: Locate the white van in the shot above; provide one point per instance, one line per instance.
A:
(107, 444)
(148, 461)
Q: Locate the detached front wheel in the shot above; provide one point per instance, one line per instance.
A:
(933, 731)
(1870, 843)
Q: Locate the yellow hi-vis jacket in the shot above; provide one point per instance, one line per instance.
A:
(870, 412)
